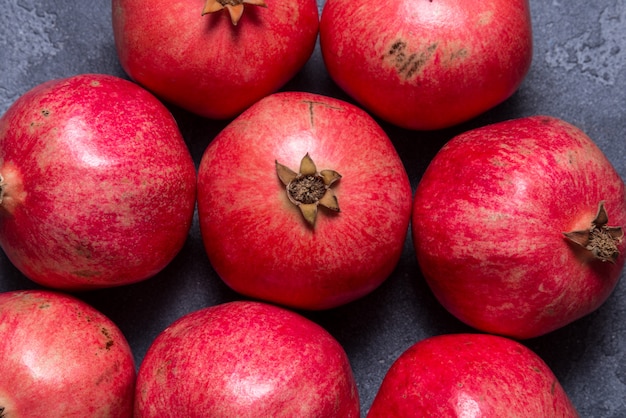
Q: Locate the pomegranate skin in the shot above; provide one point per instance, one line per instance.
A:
(60, 357)
(256, 238)
(488, 221)
(99, 186)
(206, 65)
(245, 359)
(470, 375)
(423, 64)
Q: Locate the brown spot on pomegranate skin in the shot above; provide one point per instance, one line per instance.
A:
(109, 342)
(86, 273)
(485, 18)
(408, 63)
(312, 104)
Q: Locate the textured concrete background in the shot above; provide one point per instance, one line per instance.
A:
(578, 74)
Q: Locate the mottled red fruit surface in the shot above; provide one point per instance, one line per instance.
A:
(470, 375)
(424, 64)
(204, 63)
(517, 226)
(60, 357)
(245, 359)
(303, 201)
(97, 186)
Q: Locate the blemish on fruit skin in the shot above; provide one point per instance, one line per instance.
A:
(109, 343)
(485, 18)
(459, 53)
(86, 273)
(408, 63)
(312, 104)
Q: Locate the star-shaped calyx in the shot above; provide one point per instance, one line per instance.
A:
(600, 239)
(234, 7)
(309, 188)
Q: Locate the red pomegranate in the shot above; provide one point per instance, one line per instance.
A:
(97, 186)
(470, 375)
(189, 52)
(245, 359)
(517, 226)
(424, 64)
(303, 201)
(60, 357)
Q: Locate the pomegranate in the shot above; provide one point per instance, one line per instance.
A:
(312, 191)
(470, 375)
(97, 187)
(245, 359)
(60, 357)
(427, 64)
(517, 226)
(193, 56)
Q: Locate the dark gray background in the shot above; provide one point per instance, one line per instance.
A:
(578, 74)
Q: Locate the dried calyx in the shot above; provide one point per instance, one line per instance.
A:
(600, 239)
(309, 188)
(234, 7)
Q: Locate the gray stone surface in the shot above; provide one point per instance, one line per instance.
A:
(578, 74)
